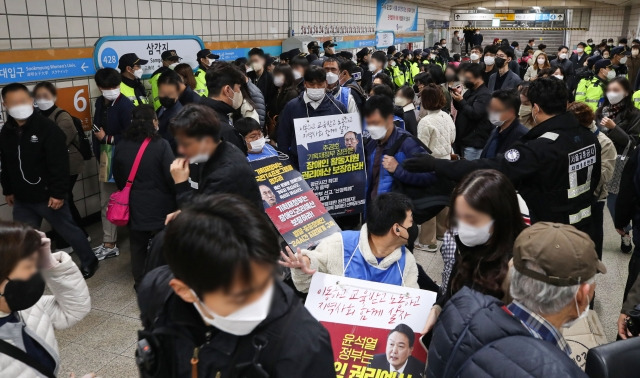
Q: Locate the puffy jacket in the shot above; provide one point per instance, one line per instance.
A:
(472, 123)
(69, 304)
(258, 101)
(476, 337)
(438, 132)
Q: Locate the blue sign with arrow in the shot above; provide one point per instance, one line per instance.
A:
(23, 72)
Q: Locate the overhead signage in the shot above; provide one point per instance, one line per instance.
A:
(108, 50)
(539, 17)
(23, 72)
(233, 54)
(473, 16)
(508, 16)
(397, 16)
(384, 39)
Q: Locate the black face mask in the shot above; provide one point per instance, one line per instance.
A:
(469, 85)
(21, 295)
(167, 102)
(500, 62)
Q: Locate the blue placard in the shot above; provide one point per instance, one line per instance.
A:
(23, 72)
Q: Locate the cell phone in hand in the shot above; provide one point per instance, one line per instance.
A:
(95, 128)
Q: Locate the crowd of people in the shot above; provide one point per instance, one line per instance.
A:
(526, 147)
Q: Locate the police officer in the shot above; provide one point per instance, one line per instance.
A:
(170, 59)
(131, 71)
(591, 47)
(314, 48)
(555, 167)
(394, 71)
(205, 59)
(591, 90)
(329, 49)
(363, 57)
(619, 59)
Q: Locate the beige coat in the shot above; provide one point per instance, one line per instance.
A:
(608, 157)
(65, 123)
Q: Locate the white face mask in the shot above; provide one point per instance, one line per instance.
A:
(296, 74)
(236, 100)
(474, 56)
(494, 118)
(472, 236)
(432, 56)
(541, 61)
(377, 132)
(111, 94)
(444, 45)
(615, 97)
(21, 112)
(138, 73)
(489, 60)
(579, 50)
(634, 53)
(563, 56)
(372, 67)
(173, 65)
(623, 60)
(278, 81)
(331, 78)
(210, 61)
(45, 104)
(257, 66)
(316, 94)
(582, 315)
(392, 64)
(257, 145)
(241, 322)
(400, 101)
(611, 75)
(559, 77)
(200, 158)
(248, 69)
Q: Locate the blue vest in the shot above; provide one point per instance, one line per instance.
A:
(343, 96)
(355, 266)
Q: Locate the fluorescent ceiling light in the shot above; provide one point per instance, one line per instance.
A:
(482, 8)
(536, 8)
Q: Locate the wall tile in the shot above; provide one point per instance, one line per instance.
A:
(58, 27)
(105, 25)
(36, 7)
(118, 8)
(89, 8)
(104, 8)
(90, 27)
(119, 26)
(73, 8)
(20, 43)
(133, 26)
(16, 7)
(4, 27)
(75, 27)
(19, 27)
(38, 26)
(40, 43)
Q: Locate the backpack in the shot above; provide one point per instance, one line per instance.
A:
(84, 145)
(427, 201)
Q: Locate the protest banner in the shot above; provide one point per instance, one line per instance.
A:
(331, 159)
(374, 327)
(291, 204)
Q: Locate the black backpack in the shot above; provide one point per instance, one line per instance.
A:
(84, 145)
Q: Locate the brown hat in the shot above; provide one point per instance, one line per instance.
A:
(567, 256)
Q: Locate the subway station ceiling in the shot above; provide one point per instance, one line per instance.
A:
(515, 4)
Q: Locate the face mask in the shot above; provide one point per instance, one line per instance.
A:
(494, 118)
(605, 56)
(315, 94)
(278, 81)
(525, 111)
(257, 145)
(399, 101)
(500, 62)
(472, 236)
(489, 60)
(474, 56)
(623, 60)
(559, 77)
(23, 294)
(236, 100)
(377, 132)
(432, 56)
(243, 321)
(563, 56)
(579, 50)
(372, 67)
(611, 75)
(634, 53)
(173, 65)
(138, 73)
(331, 78)
(210, 61)
(583, 314)
(248, 69)
(409, 56)
(444, 45)
(200, 158)
(451, 77)
(167, 102)
(469, 85)
(111, 94)
(257, 66)
(296, 74)
(45, 104)
(21, 112)
(541, 61)
(615, 97)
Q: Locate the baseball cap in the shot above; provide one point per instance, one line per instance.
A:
(602, 63)
(592, 60)
(206, 53)
(313, 45)
(293, 53)
(362, 52)
(567, 256)
(328, 43)
(417, 52)
(130, 60)
(170, 54)
(346, 54)
(624, 50)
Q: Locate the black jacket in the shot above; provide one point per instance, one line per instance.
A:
(227, 132)
(114, 117)
(165, 115)
(152, 194)
(539, 167)
(472, 123)
(578, 61)
(265, 85)
(505, 139)
(189, 96)
(226, 171)
(296, 344)
(413, 367)
(628, 201)
(476, 337)
(34, 160)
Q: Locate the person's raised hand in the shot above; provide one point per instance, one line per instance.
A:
(296, 261)
(420, 163)
(180, 170)
(171, 216)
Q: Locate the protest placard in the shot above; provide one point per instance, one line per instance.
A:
(374, 327)
(331, 159)
(291, 205)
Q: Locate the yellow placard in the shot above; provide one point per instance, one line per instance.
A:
(505, 16)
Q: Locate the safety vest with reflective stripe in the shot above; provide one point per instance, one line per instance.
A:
(591, 92)
(636, 99)
(153, 81)
(130, 93)
(398, 76)
(201, 83)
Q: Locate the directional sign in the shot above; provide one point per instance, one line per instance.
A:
(473, 16)
(539, 17)
(556, 17)
(45, 70)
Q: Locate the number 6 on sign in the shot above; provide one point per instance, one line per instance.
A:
(75, 100)
(79, 101)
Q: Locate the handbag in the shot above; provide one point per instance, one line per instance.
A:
(118, 207)
(105, 169)
(22, 356)
(613, 186)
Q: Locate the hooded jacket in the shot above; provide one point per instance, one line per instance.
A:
(296, 344)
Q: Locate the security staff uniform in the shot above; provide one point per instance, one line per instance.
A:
(591, 91)
(555, 167)
(133, 89)
(636, 99)
(201, 81)
(168, 57)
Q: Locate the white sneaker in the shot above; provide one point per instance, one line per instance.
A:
(103, 252)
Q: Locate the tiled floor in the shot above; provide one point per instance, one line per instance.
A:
(104, 342)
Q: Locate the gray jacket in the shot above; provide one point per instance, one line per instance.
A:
(510, 82)
(258, 100)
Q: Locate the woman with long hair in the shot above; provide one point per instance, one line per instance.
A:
(541, 61)
(152, 194)
(485, 218)
(284, 80)
(186, 72)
